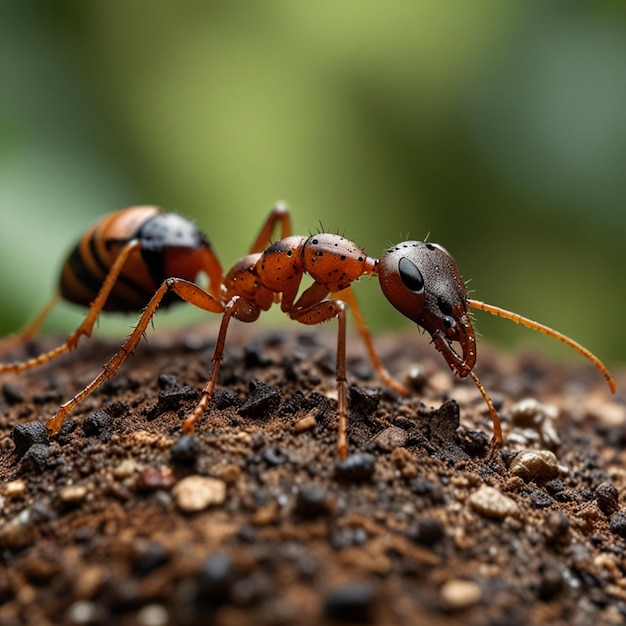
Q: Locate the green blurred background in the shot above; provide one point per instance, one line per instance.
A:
(498, 128)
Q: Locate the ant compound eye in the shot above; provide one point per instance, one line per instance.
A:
(449, 322)
(411, 277)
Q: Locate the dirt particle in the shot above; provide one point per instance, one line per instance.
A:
(18, 532)
(557, 526)
(39, 457)
(363, 401)
(84, 613)
(305, 423)
(126, 469)
(356, 467)
(312, 501)
(275, 456)
(427, 531)
(539, 466)
(150, 478)
(607, 497)
(262, 401)
(551, 582)
(617, 524)
(185, 449)
(26, 435)
(73, 494)
(457, 594)
(489, 502)
(216, 578)
(98, 425)
(15, 489)
(196, 493)
(13, 394)
(389, 439)
(351, 603)
(152, 615)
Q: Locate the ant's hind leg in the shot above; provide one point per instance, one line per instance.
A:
(86, 327)
(239, 309)
(30, 331)
(184, 289)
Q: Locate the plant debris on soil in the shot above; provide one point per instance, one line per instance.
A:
(255, 520)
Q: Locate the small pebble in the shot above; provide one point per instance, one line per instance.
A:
(557, 526)
(617, 525)
(185, 449)
(148, 555)
(538, 465)
(459, 594)
(73, 494)
(230, 473)
(13, 394)
(356, 467)
(363, 400)
(306, 423)
(39, 457)
(125, 469)
(312, 501)
(196, 493)
(216, 577)
(155, 478)
(18, 532)
(26, 435)
(99, 425)
(489, 502)
(607, 498)
(390, 438)
(551, 581)
(353, 602)
(262, 401)
(427, 531)
(275, 456)
(171, 399)
(84, 613)
(15, 489)
(152, 615)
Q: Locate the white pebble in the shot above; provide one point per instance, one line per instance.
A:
(459, 594)
(196, 493)
(489, 502)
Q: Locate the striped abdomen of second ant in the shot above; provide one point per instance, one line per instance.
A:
(166, 245)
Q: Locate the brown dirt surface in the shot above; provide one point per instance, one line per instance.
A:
(253, 520)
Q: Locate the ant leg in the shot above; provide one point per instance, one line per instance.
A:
(26, 334)
(86, 327)
(239, 309)
(184, 289)
(316, 314)
(347, 295)
(280, 213)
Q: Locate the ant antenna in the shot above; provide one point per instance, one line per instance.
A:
(524, 321)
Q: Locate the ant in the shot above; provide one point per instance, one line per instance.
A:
(140, 258)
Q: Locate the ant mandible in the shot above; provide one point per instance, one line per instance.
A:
(140, 258)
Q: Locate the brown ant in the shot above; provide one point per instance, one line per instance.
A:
(140, 258)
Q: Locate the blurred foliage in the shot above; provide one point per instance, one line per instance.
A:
(496, 128)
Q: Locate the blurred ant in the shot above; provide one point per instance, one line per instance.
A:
(140, 258)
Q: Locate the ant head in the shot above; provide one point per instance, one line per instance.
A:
(422, 281)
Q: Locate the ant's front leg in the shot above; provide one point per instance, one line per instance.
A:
(347, 295)
(316, 314)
